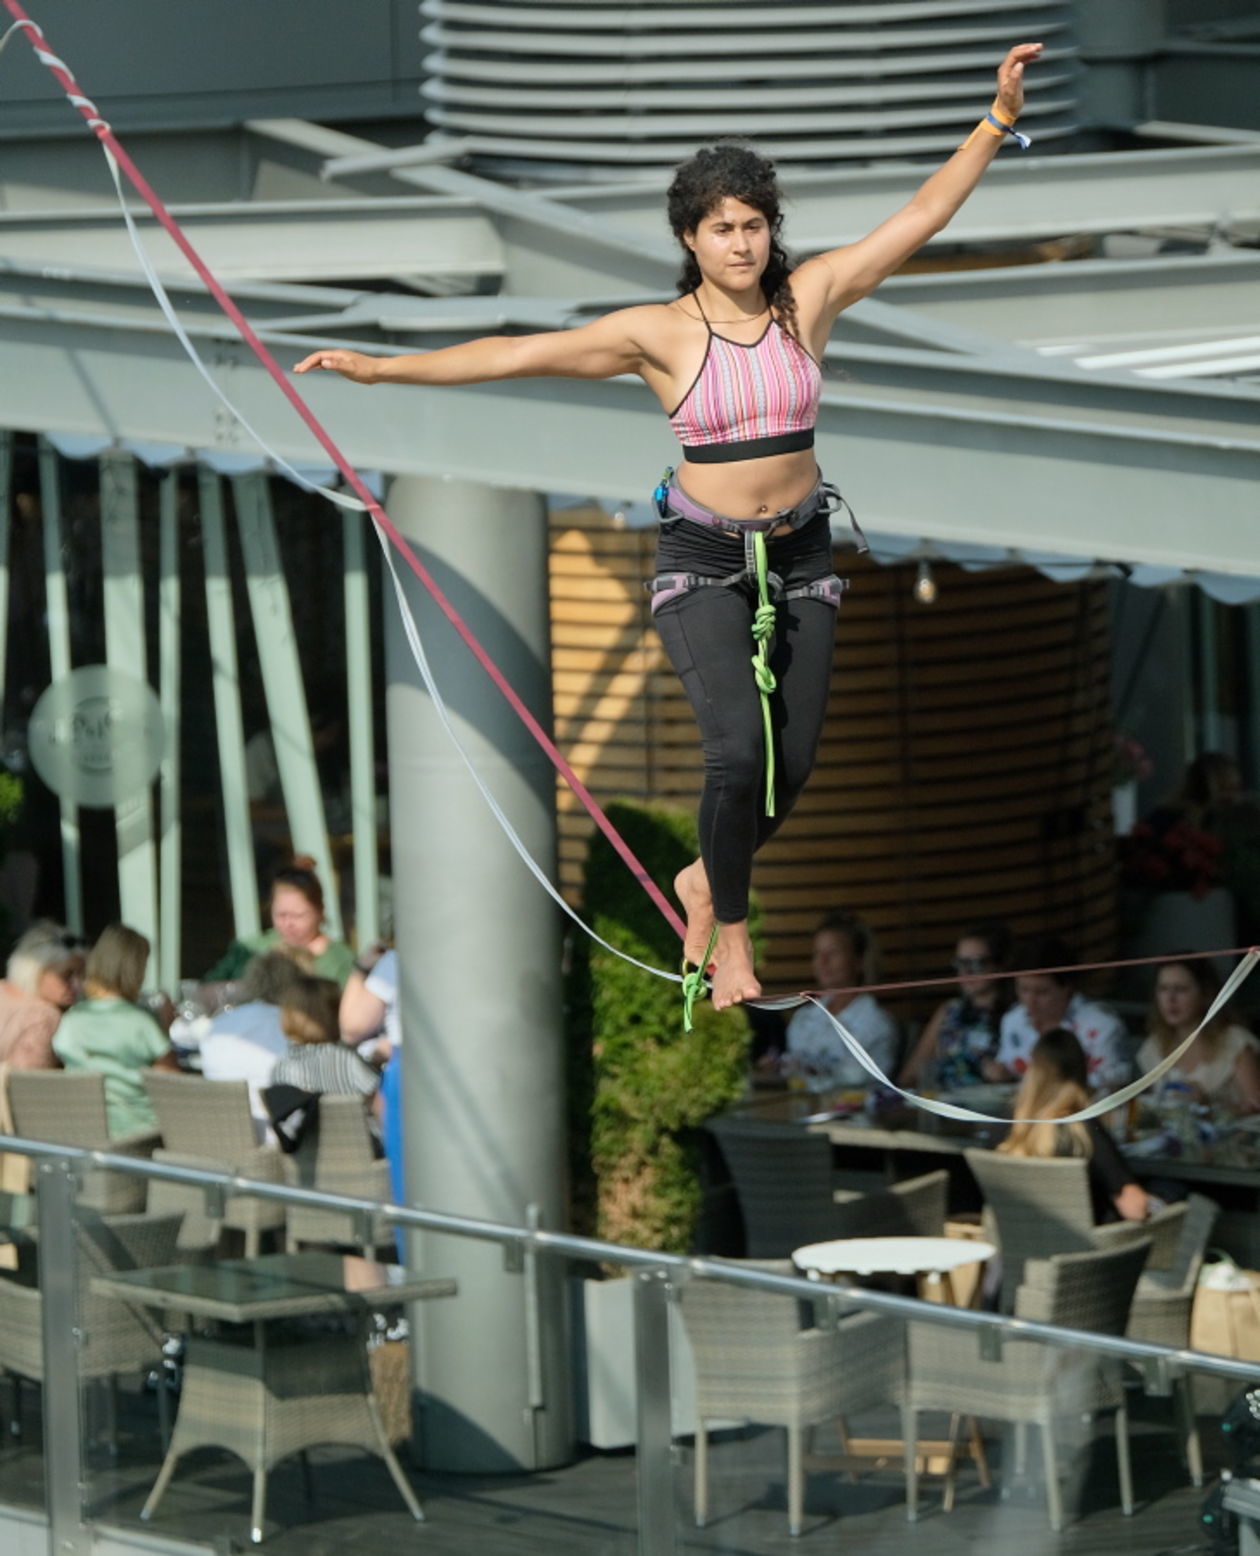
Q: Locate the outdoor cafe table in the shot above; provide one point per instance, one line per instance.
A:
(265, 1395)
(934, 1257)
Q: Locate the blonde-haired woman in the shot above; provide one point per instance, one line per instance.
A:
(107, 1032)
(1055, 1086)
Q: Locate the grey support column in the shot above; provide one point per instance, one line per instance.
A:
(478, 948)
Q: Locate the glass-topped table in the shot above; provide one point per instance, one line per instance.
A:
(277, 1285)
(266, 1394)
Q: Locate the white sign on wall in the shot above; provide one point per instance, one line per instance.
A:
(96, 737)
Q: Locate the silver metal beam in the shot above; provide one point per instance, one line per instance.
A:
(282, 681)
(475, 227)
(1021, 197)
(1091, 299)
(58, 606)
(1052, 477)
(126, 650)
(221, 623)
(170, 690)
(307, 240)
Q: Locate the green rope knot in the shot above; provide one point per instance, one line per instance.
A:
(763, 622)
(694, 986)
(764, 676)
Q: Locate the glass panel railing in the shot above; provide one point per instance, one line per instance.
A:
(276, 1396)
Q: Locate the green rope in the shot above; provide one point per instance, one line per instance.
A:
(693, 985)
(763, 631)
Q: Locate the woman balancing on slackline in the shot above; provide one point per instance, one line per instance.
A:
(734, 361)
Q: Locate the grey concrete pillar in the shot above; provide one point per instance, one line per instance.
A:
(479, 952)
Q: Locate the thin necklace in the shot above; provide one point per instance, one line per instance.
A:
(745, 318)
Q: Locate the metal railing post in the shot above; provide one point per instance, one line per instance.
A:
(652, 1396)
(59, 1323)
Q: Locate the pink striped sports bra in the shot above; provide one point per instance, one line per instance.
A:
(749, 401)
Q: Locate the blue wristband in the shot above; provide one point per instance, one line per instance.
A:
(1009, 129)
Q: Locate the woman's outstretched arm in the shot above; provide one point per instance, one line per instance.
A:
(827, 284)
(602, 349)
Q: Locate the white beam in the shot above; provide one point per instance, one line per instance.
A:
(1059, 476)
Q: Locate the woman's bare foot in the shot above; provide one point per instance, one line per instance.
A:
(734, 980)
(692, 888)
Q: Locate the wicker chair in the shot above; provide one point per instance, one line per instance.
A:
(338, 1154)
(1161, 1311)
(208, 1124)
(915, 1207)
(787, 1198)
(70, 1110)
(114, 1337)
(754, 1362)
(1031, 1383)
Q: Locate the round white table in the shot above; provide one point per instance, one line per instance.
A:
(933, 1257)
(936, 1257)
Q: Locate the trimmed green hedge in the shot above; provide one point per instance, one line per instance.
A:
(638, 1084)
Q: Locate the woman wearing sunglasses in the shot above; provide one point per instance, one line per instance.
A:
(958, 1045)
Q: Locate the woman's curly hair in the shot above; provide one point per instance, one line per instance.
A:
(730, 171)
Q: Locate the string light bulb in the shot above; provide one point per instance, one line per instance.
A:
(925, 584)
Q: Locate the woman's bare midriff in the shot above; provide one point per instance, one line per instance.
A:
(752, 488)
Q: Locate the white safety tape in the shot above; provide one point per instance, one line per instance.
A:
(1107, 1104)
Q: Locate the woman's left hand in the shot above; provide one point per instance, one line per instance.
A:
(1011, 78)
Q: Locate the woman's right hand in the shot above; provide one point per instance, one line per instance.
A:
(354, 365)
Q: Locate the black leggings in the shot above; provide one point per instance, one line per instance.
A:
(707, 634)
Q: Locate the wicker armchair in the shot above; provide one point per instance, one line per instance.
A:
(338, 1154)
(208, 1124)
(915, 1207)
(785, 1186)
(1162, 1305)
(754, 1362)
(114, 1337)
(70, 1110)
(1031, 1383)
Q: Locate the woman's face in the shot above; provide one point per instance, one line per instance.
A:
(731, 245)
(1178, 998)
(1044, 1000)
(293, 918)
(61, 985)
(835, 965)
(973, 962)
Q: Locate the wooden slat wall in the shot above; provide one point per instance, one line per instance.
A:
(964, 771)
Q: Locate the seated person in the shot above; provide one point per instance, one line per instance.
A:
(369, 1004)
(42, 981)
(297, 916)
(1046, 1000)
(1222, 1065)
(109, 1033)
(1053, 1086)
(844, 958)
(961, 1037)
(244, 1041)
(316, 1059)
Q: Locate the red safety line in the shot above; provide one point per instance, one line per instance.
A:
(105, 135)
(1019, 972)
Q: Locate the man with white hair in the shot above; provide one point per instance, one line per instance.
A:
(43, 979)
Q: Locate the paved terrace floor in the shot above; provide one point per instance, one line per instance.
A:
(588, 1508)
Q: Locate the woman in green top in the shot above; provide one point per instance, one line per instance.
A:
(107, 1032)
(297, 924)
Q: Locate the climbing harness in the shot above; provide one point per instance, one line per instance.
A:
(672, 503)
